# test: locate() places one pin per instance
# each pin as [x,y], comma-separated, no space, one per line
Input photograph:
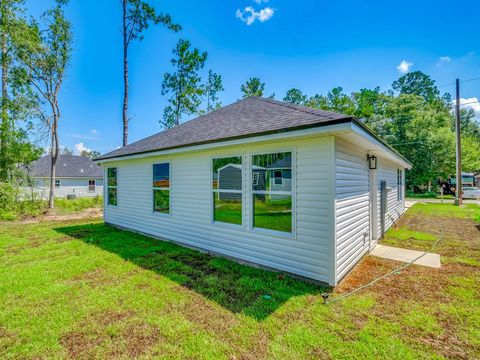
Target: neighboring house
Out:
[74,175]
[230,177]
[331,187]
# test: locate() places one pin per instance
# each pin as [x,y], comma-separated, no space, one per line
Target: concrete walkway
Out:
[406,255]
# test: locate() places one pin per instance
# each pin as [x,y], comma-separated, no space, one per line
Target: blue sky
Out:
[311,45]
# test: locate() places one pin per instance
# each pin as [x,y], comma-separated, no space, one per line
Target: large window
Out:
[399,184]
[58,183]
[112,186]
[227,190]
[161,188]
[272,194]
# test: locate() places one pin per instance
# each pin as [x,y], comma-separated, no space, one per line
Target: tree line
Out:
[413,116]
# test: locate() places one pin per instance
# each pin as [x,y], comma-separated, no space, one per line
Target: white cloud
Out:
[442,60]
[94,131]
[260,1]
[262,15]
[404,67]
[81,147]
[471,103]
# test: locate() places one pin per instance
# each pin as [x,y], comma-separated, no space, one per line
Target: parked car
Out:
[470,192]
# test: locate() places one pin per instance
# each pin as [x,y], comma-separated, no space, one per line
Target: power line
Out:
[462,81]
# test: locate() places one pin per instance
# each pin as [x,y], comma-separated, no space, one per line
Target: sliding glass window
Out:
[272,191]
[161,188]
[227,190]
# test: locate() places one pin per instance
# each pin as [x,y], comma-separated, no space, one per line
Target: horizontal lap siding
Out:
[387,171]
[352,206]
[190,221]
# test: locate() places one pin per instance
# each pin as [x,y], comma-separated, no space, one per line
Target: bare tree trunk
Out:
[55,147]
[4,125]
[125,74]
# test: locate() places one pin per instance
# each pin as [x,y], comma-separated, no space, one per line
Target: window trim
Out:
[158,213]
[292,193]
[399,185]
[59,183]
[213,191]
[110,186]
[281,177]
[255,179]
[94,185]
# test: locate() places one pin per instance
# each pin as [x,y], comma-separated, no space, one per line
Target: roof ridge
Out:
[302,108]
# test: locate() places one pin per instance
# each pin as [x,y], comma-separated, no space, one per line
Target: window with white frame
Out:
[255,178]
[91,185]
[227,189]
[272,196]
[112,186]
[399,184]
[161,188]
[58,183]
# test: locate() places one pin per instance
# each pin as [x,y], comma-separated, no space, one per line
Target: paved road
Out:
[445,201]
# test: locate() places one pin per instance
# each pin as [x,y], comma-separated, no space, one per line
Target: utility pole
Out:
[458,192]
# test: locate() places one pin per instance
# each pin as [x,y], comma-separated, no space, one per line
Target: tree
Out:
[368,103]
[295,96]
[253,87]
[212,88]
[184,84]
[67,151]
[46,57]
[91,154]
[16,98]
[137,15]
[417,83]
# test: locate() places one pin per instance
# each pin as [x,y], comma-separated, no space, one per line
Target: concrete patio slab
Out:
[406,255]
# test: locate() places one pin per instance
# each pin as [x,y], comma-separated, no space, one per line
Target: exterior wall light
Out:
[372,162]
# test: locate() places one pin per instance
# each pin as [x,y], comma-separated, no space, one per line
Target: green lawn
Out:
[81,289]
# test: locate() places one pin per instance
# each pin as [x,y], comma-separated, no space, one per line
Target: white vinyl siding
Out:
[68,186]
[352,205]
[307,251]
[387,171]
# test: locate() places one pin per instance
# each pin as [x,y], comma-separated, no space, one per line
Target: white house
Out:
[331,187]
[75,175]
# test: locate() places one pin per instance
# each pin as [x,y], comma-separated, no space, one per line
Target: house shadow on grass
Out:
[238,288]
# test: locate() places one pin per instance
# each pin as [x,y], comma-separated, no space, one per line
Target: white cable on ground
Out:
[393,272]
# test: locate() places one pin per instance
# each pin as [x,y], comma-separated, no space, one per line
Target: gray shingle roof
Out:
[67,166]
[248,117]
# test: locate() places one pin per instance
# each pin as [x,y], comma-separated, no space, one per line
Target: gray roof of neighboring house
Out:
[72,166]
[286,162]
[248,117]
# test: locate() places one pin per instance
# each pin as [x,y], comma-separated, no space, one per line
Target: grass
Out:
[81,289]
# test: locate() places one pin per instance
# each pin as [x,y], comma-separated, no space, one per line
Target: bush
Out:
[425,195]
[16,204]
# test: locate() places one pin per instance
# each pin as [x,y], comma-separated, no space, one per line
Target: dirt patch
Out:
[117,334]
[79,345]
[95,278]
[85,214]
[139,337]
[7,338]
